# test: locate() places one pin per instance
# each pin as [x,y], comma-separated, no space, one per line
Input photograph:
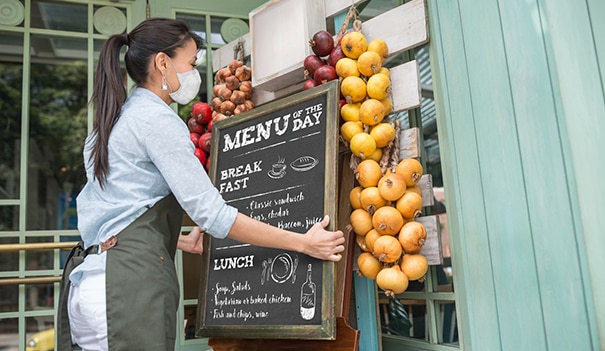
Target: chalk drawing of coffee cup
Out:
[278,169]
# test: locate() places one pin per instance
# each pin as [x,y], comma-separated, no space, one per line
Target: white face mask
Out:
[190,86]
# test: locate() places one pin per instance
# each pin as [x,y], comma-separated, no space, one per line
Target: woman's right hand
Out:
[324,244]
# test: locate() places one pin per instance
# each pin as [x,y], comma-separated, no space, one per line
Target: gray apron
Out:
[142,291]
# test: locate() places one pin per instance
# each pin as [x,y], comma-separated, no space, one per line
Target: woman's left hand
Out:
[192,242]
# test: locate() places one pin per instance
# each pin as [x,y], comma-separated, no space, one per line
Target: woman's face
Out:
[183,61]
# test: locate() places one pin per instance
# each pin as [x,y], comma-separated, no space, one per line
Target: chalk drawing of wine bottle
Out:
[307,297]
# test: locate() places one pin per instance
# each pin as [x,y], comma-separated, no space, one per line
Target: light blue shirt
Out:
[150,155]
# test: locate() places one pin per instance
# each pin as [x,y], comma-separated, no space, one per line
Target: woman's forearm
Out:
[316,242]
[248,230]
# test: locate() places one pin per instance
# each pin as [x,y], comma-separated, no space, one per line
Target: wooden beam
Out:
[402,28]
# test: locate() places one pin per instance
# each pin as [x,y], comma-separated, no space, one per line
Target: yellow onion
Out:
[368,173]
[369,266]
[349,129]
[414,266]
[361,242]
[412,237]
[387,249]
[380,47]
[369,63]
[410,169]
[409,205]
[353,89]
[391,186]
[361,221]
[392,280]
[378,86]
[371,112]
[354,197]
[371,200]
[346,67]
[387,220]
[371,238]
[362,145]
[383,134]
[350,112]
[353,44]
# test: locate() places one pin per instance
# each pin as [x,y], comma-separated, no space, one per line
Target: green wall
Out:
[162,8]
[521,108]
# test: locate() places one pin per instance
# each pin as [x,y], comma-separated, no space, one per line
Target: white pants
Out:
[87,313]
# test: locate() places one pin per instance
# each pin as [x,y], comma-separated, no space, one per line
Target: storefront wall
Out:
[520,97]
[519,89]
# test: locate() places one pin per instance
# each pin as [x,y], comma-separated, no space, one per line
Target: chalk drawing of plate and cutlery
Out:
[280,269]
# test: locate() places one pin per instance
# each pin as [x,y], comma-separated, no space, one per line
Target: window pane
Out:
[225,30]
[198,25]
[395,319]
[9,261]
[192,265]
[439,210]
[9,218]
[416,310]
[9,297]
[196,22]
[408,318]
[447,322]
[11,77]
[9,330]
[58,112]
[39,260]
[38,327]
[51,50]
[222,29]
[190,321]
[59,16]
[40,297]
[215,28]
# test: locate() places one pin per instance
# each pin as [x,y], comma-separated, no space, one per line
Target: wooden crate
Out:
[280,32]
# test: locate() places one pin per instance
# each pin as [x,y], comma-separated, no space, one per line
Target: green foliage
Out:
[184,111]
[57,116]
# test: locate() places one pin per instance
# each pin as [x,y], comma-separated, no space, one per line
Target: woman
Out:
[141,174]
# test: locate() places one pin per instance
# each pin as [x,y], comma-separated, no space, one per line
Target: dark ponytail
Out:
[144,41]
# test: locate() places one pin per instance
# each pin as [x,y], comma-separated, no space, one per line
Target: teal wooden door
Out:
[519,89]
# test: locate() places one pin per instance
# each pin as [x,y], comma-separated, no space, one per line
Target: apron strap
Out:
[63,335]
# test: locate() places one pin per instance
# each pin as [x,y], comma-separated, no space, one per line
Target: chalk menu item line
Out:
[266,193]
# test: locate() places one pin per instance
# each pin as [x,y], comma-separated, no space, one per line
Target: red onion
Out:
[322,43]
[324,74]
[335,55]
[311,63]
[309,83]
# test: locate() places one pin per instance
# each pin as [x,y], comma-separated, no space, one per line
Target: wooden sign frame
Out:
[212,320]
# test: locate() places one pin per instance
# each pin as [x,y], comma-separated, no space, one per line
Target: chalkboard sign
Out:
[276,163]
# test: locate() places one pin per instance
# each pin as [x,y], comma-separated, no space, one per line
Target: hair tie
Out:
[127,39]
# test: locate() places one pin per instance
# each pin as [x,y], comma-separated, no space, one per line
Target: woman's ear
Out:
[161,62]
